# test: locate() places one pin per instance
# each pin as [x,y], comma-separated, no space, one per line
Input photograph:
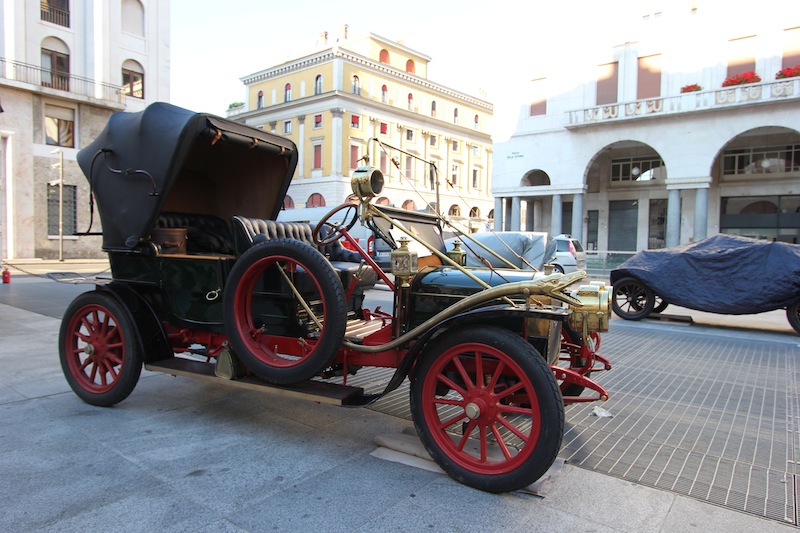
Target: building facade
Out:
[369,100]
[688,130]
[65,66]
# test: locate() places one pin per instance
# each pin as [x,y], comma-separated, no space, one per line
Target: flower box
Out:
[742,79]
[789,72]
[691,88]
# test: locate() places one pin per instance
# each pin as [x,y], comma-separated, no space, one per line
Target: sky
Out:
[487,49]
[479,48]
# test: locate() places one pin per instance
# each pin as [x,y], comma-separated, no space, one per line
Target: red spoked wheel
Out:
[285,311]
[100,349]
[487,408]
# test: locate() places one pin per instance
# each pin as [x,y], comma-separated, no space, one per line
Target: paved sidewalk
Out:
[181,455]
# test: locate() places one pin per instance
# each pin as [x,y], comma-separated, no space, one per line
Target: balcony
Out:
[777,91]
[74,85]
[51,13]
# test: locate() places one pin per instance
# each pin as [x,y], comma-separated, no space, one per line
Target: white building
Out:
[65,66]
[611,149]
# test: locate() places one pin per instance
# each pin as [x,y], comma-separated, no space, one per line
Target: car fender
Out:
[152,337]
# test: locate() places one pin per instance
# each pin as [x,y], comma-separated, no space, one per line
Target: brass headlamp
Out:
[367,182]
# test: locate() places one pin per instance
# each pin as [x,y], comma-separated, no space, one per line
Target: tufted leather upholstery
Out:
[345,262]
[205,233]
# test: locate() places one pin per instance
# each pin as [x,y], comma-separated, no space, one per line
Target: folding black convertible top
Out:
[166,158]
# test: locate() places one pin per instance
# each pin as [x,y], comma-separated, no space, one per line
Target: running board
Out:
[330,393]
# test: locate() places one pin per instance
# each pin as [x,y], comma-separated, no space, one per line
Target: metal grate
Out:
[708,417]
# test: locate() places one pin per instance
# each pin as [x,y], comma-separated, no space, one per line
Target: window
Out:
[410,67]
[385,94]
[287,92]
[133,17]
[791,48]
[384,163]
[476,122]
[356,85]
[433,108]
[434,139]
[455,146]
[409,205]
[476,150]
[59,126]
[476,179]
[637,169]
[383,57]
[318,84]
[384,128]
[607,84]
[260,100]
[355,121]
[317,121]
[354,156]
[55,11]
[287,127]
[410,135]
[455,116]
[454,175]
[69,210]
[317,157]
[761,160]
[454,211]
[538,100]
[410,168]
[648,84]
[410,102]
[741,55]
[132,79]
[288,203]
[316,200]
[475,213]
[55,66]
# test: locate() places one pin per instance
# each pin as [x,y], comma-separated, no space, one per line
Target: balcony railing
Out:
[54,14]
[22,72]
[728,97]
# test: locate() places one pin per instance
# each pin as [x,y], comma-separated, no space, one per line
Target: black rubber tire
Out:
[793,314]
[257,348]
[100,349]
[558,268]
[660,304]
[536,405]
[631,299]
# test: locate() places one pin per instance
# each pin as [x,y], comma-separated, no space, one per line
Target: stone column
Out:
[530,215]
[577,216]
[498,213]
[700,214]
[336,142]
[673,218]
[516,204]
[555,215]
[301,143]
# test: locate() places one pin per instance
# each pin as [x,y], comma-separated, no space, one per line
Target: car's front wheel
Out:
[793,314]
[632,299]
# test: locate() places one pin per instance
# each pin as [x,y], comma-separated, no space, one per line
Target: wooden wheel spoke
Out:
[513,429]
[509,391]
[497,372]
[464,374]
[465,437]
[449,422]
[450,383]
[500,442]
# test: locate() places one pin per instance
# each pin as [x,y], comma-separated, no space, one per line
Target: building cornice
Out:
[334,53]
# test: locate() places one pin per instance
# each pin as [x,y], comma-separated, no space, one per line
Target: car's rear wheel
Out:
[99,349]
[487,408]
[660,304]
[793,314]
[632,299]
[285,310]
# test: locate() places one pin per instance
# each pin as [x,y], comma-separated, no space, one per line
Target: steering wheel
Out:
[343,222]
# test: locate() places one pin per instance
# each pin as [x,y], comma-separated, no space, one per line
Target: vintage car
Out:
[206,283]
[724,274]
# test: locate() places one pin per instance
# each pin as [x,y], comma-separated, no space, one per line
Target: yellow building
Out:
[370,98]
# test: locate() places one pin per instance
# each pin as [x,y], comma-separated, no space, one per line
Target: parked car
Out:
[206,283]
[723,274]
[569,255]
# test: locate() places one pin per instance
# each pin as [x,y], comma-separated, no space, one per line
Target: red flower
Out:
[788,72]
[742,79]
[691,88]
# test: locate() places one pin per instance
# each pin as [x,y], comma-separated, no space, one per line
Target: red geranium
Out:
[691,88]
[788,72]
[742,79]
